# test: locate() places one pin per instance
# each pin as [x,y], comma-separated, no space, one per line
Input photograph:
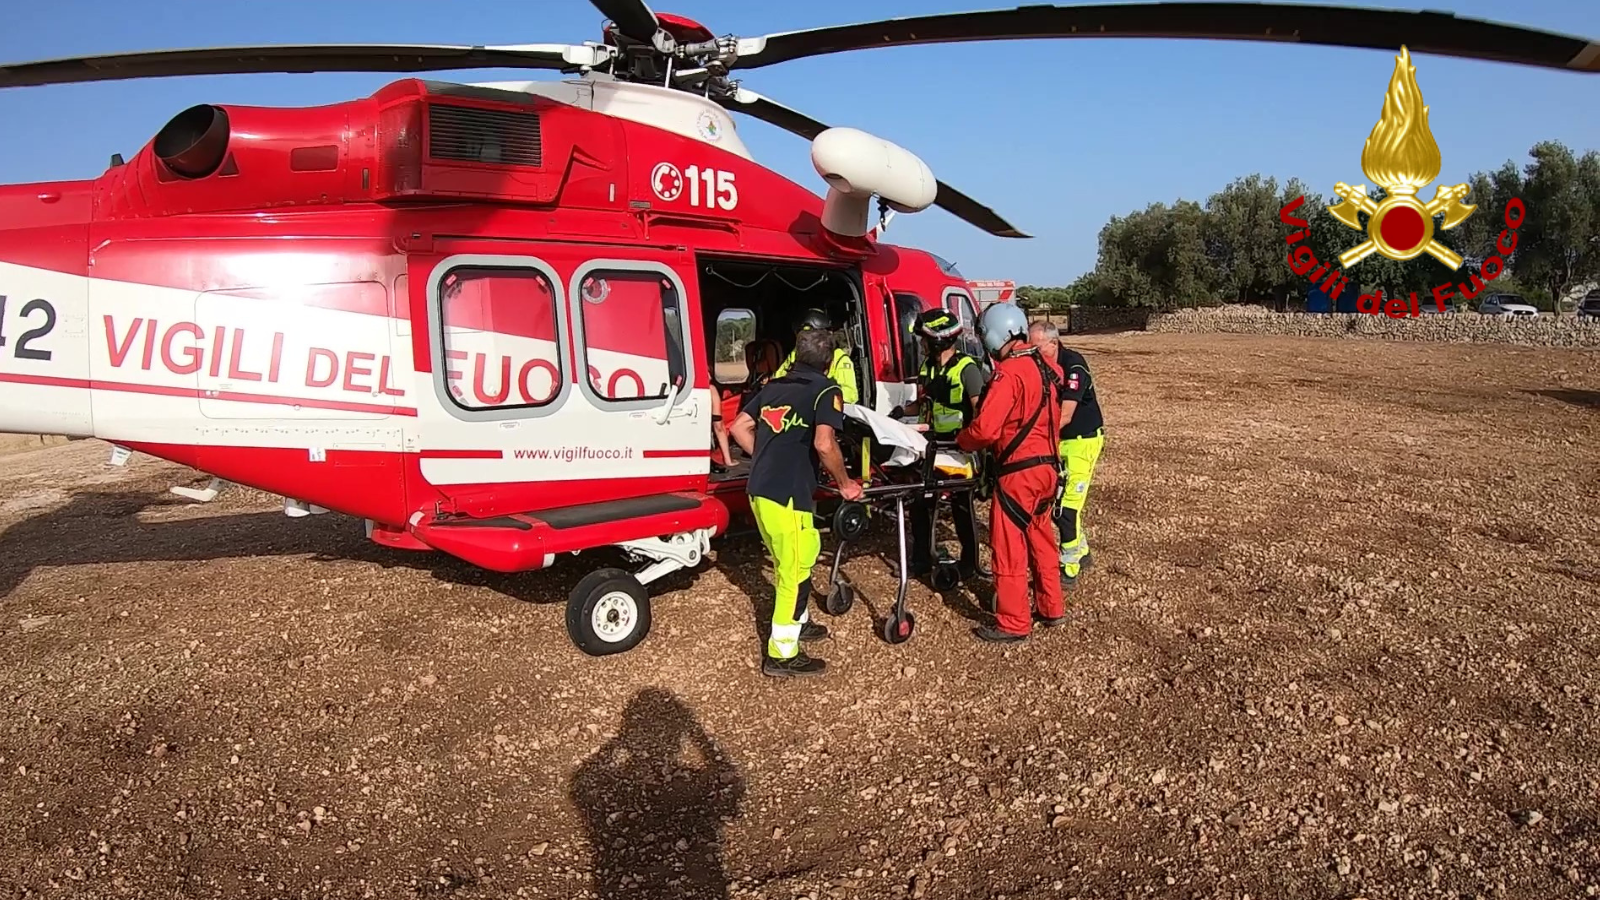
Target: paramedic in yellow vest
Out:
[1082,437]
[950,384]
[787,429]
[841,370]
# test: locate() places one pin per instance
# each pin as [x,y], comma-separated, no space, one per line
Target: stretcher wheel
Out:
[850,521]
[946,577]
[608,612]
[839,600]
[898,629]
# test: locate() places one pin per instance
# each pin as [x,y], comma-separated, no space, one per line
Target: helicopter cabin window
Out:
[499,337]
[907,307]
[736,328]
[961,304]
[633,334]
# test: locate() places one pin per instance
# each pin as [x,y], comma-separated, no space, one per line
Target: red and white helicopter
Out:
[487,319]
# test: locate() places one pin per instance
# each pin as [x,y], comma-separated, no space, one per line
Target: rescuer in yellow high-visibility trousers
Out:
[787,429]
[1078,457]
[793,543]
[1082,439]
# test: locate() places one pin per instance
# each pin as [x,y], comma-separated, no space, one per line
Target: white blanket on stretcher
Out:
[909,444]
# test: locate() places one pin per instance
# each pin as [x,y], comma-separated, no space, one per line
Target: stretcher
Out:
[915,468]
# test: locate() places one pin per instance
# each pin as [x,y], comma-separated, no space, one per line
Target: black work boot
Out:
[995,636]
[813,631]
[796,666]
[1049,622]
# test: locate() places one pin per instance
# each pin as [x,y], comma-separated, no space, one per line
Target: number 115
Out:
[719,191]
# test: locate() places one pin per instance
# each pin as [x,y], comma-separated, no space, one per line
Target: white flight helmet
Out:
[999,324]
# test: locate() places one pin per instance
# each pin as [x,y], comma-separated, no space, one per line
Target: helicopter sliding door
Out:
[562,375]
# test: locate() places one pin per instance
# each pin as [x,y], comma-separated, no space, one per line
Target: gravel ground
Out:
[1339,642]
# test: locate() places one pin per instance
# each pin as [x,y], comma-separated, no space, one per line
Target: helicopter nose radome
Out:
[857,165]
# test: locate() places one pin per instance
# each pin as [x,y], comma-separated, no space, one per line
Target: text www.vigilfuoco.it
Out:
[572,454]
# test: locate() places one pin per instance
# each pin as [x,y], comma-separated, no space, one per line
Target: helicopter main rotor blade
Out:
[948,198]
[298,59]
[632,17]
[1440,34]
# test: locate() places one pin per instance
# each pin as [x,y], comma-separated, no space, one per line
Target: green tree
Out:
[1491,193]
[1246,268]
[1085,291]
[1233,250]
[734,330]
[1157,257]
[1558,246]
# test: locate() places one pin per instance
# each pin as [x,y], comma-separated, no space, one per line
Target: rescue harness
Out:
[1019,515]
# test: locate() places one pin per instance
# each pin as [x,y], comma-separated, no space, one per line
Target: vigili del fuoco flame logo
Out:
[1401,157]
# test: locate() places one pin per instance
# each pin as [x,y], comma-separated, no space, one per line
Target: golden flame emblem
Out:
[1402,157]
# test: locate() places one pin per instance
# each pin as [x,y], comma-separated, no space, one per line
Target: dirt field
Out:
[1340,641]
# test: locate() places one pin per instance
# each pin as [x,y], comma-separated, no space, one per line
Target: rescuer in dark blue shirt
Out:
[1082,439]
[787,429]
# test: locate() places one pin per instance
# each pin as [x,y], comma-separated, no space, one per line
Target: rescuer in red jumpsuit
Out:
[1020,418]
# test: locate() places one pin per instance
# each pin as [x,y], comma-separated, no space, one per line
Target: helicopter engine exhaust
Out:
[858,165]
[194,142]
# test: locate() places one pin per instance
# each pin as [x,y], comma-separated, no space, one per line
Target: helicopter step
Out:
[609,610]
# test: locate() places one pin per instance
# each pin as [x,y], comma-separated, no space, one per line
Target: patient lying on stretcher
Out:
[907,445]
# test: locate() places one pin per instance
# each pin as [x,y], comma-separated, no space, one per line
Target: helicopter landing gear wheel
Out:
[839,600]
[897,629]
[946,577]
[608,612]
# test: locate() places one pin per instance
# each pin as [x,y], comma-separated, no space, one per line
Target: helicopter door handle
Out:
[671,401]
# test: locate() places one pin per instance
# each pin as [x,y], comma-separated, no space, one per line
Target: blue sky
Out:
[1056,135]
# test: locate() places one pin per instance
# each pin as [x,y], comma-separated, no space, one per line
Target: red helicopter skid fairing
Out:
[483,319]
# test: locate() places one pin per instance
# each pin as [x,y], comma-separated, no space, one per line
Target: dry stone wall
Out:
[1566,332]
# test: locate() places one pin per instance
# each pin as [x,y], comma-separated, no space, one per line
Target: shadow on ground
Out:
[1590,399]
[49,539]
[654,801]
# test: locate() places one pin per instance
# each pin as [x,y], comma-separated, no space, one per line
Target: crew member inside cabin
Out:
[719,431]
[1020,417]
[950,384]
[1082,438]
[839,369]
[760,361]
[787,429]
